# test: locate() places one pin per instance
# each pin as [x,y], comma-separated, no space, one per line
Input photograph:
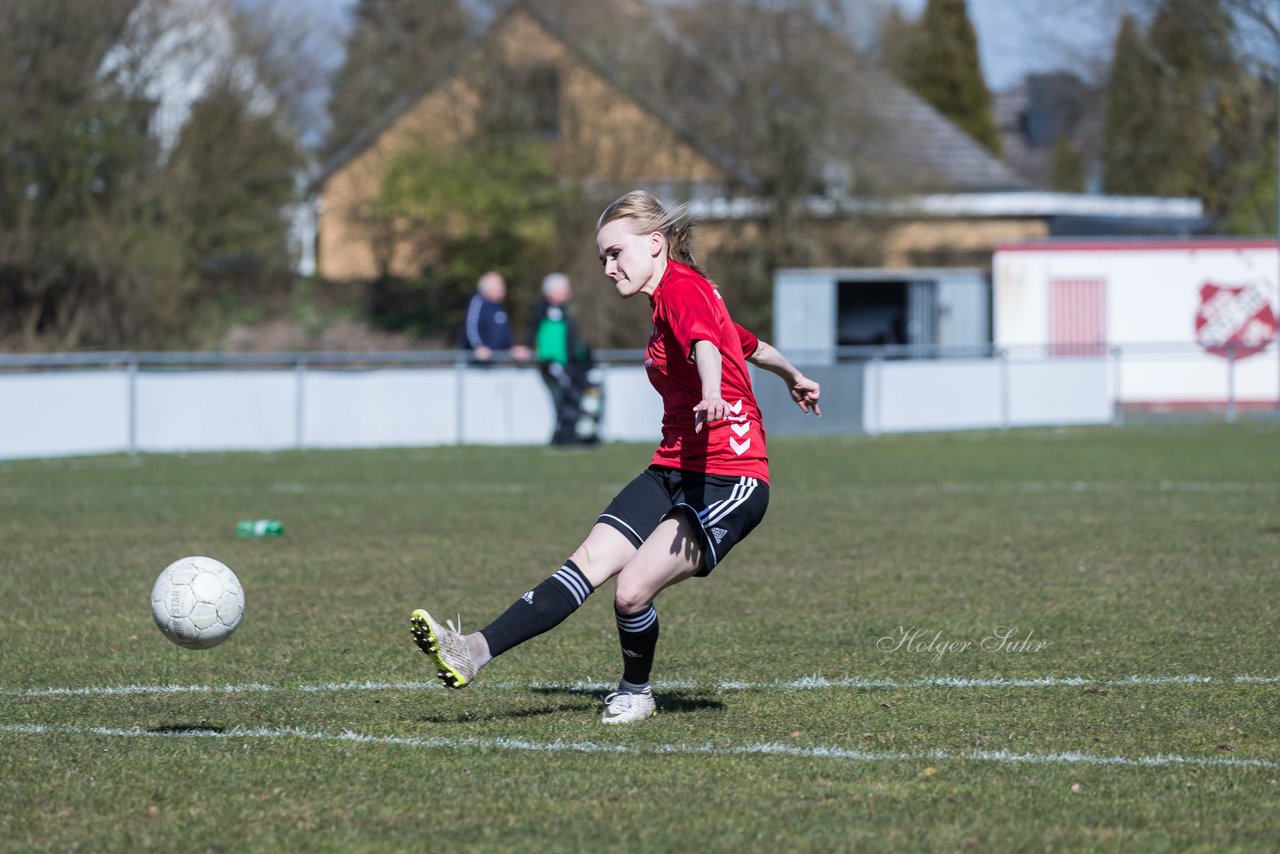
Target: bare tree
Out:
[291,51]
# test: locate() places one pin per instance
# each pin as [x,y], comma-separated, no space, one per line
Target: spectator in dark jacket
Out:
[487,327]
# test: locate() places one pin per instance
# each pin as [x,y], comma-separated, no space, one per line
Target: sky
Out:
[1017,37]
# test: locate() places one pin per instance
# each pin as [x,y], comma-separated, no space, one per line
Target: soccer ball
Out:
[197,602]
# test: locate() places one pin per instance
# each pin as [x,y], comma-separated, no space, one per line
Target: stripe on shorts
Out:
[717,510]
[634,532]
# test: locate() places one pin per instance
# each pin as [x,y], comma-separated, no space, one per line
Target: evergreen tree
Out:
[1192,39]
[235,224]
[1185,117]
[941,64]
[1246,161]
[394,50]
[1132,115]
[899,37]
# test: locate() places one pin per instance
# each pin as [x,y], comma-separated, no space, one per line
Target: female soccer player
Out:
[707,485]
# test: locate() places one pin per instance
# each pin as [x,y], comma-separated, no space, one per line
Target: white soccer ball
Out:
[197,602]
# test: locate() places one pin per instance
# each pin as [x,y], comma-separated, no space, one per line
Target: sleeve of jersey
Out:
[749,341]
[691,317]
[471,328]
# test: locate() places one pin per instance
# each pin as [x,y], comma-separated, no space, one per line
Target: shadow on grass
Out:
[669,702]
[171,729]
[680,703]
[471,716]
[582,701]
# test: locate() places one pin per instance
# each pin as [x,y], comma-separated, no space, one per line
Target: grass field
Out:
[834,685]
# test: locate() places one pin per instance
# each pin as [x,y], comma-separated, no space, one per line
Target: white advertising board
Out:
[1209,307]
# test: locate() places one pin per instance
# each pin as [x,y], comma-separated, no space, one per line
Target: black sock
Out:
[638,635]
[540,610]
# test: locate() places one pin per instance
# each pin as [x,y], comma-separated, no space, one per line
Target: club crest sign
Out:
[1234,320]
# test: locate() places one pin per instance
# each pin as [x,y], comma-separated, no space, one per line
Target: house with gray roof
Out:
[736,119]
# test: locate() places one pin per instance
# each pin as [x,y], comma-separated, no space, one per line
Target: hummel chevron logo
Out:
[528,597]
[718,533]
[736,409]
[740,429]
[739,448]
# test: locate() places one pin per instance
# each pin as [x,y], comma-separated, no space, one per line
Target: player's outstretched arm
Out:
[804,391]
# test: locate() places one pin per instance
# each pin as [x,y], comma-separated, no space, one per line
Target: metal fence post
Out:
[132,371]
[875,417]
[1117,413]
[299,412]
[1004,387]
[1231,382]
[460,398]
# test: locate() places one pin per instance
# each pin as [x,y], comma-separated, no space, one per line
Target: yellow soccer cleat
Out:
[446,647]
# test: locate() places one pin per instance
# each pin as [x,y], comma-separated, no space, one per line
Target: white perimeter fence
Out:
[72,404]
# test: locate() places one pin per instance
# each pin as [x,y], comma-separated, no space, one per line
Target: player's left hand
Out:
[708,412]
[805,392]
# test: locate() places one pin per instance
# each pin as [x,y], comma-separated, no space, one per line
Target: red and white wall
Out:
[1188,323]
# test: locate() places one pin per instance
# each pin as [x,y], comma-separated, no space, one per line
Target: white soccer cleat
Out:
[446,647]
[620,708]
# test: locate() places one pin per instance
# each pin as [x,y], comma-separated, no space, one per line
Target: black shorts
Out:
[725,509]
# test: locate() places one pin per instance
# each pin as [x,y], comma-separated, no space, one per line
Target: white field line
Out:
[517,488]
[807,683]
[559,746]
[1032,487]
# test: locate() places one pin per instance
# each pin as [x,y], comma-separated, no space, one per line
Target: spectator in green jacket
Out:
[562,358]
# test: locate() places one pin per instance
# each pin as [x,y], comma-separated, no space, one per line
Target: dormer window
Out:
[542,88]
[525,101]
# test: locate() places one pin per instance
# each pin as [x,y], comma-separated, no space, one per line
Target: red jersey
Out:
[688,308]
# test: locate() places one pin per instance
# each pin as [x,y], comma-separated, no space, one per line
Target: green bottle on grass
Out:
[260,528]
